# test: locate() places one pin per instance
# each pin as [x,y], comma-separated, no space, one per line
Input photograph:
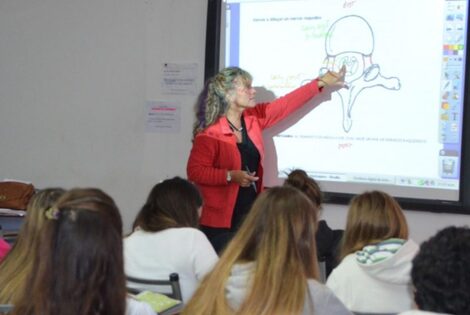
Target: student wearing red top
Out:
[4,248]
[226,160]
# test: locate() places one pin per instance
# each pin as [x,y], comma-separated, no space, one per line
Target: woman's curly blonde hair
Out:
[212,102]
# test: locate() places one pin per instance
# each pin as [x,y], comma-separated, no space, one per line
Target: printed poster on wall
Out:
[179,78]
[163,116]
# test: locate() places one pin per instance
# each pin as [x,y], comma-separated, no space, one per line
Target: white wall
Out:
[422,224]
[74,79]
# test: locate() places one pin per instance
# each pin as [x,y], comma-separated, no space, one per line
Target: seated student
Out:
[327,239]
[374,273]
[270,267]
[166,239]
[78,268]
[441,274]
[4,248]
[17,265]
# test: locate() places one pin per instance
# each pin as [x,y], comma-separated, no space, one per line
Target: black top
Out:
[246,195]
[328,245]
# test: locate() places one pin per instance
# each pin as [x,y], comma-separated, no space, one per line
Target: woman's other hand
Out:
[243,178]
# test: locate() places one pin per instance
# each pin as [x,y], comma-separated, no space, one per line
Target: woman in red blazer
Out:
[226,160]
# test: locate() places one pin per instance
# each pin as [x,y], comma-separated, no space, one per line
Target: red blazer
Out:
[215,152]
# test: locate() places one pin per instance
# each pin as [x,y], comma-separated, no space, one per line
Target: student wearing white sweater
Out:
[165,238]
[374,273]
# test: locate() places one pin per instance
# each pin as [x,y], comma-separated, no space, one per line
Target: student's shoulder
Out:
[347,263]
[188,234]
[346,269]
[189,231]
[325,301]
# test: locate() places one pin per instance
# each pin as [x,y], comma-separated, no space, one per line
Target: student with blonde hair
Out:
[270,267]
[374,273]
[16,266]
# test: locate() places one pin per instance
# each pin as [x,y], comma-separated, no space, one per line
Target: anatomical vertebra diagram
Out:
[361,73]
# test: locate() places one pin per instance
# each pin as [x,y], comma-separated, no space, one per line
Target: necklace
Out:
[232,126]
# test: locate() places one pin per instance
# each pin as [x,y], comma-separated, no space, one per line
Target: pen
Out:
[252,183]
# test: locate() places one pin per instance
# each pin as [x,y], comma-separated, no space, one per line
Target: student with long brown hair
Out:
[166,238]
[374,273]
[78,269]
[270,267]
[18,264]
[328,240]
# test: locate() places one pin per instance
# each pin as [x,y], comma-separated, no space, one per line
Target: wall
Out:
[422,224]
[74,79]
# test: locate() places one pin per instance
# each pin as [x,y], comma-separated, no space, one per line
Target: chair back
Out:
[5,308]
[173,282]
[322,269]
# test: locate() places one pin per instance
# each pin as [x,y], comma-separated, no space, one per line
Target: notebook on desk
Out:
[160,303]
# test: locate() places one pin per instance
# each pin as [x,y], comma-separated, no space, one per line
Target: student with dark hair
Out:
[374,273]
[78,269]
[328,240]
[441,274]
[166,238]
[270,267]
[17,265]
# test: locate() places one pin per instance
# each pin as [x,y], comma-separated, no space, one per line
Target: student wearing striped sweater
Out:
[374,273]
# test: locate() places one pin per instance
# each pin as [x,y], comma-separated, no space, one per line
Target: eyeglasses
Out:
[245,88]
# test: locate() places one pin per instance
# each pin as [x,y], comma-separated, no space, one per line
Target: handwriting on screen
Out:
[343,146]
[349,4]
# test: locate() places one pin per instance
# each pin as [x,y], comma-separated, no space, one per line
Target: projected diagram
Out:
[350,42]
